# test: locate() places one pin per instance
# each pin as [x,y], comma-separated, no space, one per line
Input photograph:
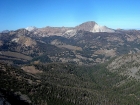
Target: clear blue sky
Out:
[15,14]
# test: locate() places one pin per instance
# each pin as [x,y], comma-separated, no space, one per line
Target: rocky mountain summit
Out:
[92,26]
[31,28]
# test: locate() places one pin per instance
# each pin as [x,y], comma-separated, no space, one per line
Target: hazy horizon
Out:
[18,14]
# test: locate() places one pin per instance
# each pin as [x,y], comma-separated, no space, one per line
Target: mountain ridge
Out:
[90,26]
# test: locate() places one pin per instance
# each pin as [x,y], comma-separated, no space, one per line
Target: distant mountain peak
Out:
[30,28]
[86,26]
[89,23]
[5,31]
[92,26]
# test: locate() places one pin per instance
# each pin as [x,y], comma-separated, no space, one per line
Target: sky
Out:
[16,14]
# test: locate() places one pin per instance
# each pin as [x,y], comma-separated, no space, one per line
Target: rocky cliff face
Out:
[13,98]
